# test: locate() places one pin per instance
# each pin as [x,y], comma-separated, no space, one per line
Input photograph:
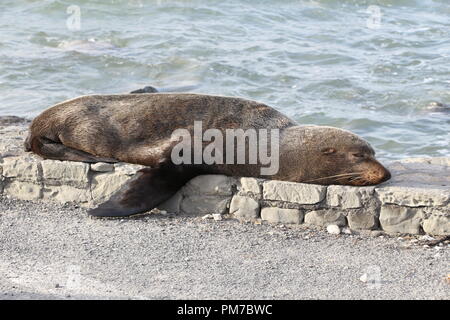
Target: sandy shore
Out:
[56,251]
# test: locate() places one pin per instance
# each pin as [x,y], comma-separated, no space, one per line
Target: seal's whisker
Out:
[355,179]
[352,178]
[343,175]
[360,179]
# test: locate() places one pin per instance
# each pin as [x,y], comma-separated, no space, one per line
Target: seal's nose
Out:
[385,175]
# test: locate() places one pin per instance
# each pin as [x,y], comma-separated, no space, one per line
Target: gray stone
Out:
[324,218]
[348,197]
[279,215]
[173,204]
[437,225]
[204,204]
[363,219]
[395,219]
[65,173]
[66,193]
[102,167]
[23,190]
[127,169]
[293,192]
[21,169]
[245,208]
[209,185]
[417,183]
[414,196]
[105,184]
[250,185]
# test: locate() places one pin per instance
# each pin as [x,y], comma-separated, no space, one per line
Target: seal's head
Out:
[334,156]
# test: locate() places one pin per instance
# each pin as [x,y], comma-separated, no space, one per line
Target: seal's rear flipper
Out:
[49,149]
[148,188]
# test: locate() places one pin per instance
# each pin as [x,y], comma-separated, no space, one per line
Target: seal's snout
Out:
[377,173]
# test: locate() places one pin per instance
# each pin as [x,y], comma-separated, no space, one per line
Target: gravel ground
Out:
[54,251]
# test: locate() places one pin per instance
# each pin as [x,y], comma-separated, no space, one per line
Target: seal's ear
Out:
[144,191]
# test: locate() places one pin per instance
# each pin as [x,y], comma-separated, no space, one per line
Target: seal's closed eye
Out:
[328,150]
[358,155]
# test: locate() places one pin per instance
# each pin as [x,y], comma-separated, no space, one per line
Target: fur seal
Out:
[146,89]
[138,128]
[151,89]
[438,107]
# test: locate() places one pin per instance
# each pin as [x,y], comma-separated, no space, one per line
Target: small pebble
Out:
[217,216]
[333,229]
[364,277]
[347,230]
[207,216]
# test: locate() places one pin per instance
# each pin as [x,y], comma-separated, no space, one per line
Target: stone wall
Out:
[415,201]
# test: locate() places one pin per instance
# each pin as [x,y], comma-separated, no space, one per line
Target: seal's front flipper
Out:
[49,149]
[148,188]
[147,89]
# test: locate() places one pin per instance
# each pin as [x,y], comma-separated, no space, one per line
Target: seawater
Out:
[372,67]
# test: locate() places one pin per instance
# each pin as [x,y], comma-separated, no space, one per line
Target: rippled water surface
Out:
[324,62]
